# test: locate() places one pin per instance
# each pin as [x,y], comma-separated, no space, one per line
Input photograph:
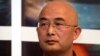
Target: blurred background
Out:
[5,27]
[5,13]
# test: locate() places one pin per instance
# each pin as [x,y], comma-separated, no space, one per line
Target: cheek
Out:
[41,34]
[65,36]
[64,33]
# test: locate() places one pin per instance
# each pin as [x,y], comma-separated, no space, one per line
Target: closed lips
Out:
[48,41]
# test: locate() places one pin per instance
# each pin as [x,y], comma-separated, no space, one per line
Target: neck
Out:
[68,53]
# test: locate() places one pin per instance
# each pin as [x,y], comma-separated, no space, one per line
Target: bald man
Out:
[57,29]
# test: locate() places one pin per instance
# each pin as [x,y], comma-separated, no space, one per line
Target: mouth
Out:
[51,42]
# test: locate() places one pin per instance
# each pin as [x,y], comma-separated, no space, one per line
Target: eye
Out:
[43,24]
[59,24]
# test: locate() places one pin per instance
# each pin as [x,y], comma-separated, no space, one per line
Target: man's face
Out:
[56,31]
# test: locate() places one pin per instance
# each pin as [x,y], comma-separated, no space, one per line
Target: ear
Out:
[77,32]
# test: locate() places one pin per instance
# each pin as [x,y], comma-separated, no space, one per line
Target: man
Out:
[57,29]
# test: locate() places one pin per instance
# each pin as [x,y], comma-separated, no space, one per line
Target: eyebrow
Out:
[41,19]
[59,19]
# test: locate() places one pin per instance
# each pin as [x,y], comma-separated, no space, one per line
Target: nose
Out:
[51,31]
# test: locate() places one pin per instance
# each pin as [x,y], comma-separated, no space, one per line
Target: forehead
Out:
[54,13]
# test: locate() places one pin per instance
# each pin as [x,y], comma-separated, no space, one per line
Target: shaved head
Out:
[61,7]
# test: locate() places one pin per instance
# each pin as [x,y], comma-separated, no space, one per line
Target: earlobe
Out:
[77,32]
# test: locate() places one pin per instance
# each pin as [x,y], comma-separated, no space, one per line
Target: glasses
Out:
[59,25]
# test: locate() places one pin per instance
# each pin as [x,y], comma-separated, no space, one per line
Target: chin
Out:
[52,49]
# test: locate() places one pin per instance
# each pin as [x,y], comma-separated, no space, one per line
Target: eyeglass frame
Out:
[65,26]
